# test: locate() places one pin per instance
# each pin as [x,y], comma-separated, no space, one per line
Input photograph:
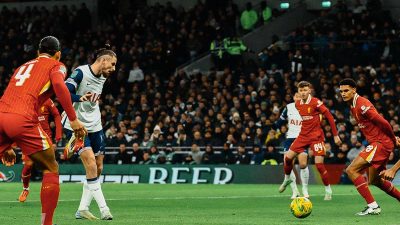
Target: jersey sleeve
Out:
[320,106]
[73,83]
[281,119]
[57,76]
[323,110]
[369,112]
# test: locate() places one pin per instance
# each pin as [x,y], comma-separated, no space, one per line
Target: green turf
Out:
[198,204]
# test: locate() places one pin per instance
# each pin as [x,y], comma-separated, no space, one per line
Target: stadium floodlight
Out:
[326,4]
[284,5]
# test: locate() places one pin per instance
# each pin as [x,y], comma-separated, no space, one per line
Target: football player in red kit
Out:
[382,141]
[47,109]
[311,135]
[30,86]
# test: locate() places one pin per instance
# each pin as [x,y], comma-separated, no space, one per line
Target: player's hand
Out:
[79,130]
[398,141]
[86,97]
[8,158]
[388,174]
[337,140]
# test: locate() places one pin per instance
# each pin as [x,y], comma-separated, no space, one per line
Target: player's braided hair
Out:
[104,51]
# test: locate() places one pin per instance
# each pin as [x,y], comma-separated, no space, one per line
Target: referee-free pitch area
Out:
[198,204]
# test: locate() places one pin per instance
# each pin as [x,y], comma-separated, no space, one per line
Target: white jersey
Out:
[88,112]
[291,114]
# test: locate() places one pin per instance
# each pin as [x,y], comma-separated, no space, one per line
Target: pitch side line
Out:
[183,198]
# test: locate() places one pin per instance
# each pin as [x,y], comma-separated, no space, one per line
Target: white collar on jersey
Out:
[43,56]
[307,102]
[355,100]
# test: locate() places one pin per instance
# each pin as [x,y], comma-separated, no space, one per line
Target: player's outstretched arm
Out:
[331,121]
[385,126]
[62,93]
[389,174]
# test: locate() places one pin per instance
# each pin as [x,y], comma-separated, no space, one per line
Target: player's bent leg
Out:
[354,172]
[288,166]
[25,176]
[384,185]
[50,184]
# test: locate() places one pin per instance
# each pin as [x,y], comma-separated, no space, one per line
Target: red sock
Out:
[388,187]
[288,166]
[362,188]
[324,173]
[26,175]
[49,196]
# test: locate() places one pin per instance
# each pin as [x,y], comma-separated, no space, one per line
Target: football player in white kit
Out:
[86,85]
[293,118]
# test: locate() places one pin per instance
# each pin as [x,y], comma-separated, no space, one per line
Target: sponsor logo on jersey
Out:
[307,118]
[361,125]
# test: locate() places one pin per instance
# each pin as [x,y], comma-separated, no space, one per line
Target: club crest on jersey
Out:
[63,69]
[42,109]
[309,109]
[74,74]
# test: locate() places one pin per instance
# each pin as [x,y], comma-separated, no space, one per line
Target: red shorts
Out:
[317,145]
[377,154]
[28,135]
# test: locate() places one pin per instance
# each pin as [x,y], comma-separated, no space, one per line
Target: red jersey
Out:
[48,108]
[310,111]
[363,111]
[30,86]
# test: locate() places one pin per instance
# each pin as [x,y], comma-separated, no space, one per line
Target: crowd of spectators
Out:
[152,116]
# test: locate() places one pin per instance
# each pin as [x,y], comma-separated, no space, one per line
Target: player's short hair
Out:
[303,83]
[348,81]
[49,45]
[104,51]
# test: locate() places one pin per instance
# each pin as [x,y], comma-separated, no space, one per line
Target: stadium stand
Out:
[173,117]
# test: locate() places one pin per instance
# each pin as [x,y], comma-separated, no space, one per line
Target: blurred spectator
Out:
[248,18]
[266,12]
[271,156]
[137,154]
[354,151]
[227,157]
[136,74]
[258,155]
[242,157]
[122,157]
[209,157]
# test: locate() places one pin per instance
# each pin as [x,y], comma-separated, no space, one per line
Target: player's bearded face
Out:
[304,92]
[109,66]
[347,92]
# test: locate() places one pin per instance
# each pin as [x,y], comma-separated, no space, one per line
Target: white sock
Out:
[304,176]
[86,198]
[287,177]
[373,205]
[293,185]
[328,188]
[97,193]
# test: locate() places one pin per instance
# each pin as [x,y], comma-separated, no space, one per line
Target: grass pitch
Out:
[198,204]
